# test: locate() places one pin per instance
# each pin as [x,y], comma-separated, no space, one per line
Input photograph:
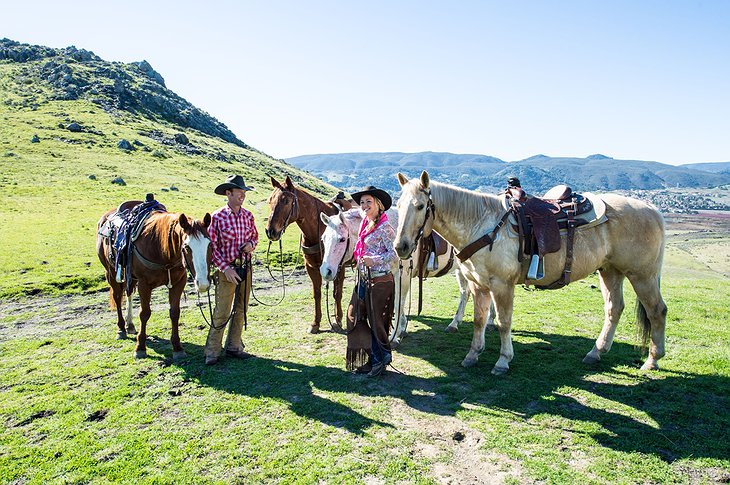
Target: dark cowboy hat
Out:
[381,194]
[232,182]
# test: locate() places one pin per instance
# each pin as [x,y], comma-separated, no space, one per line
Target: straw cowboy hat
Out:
[381,194]
[232,182]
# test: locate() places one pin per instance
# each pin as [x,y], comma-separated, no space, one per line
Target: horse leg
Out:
[651,314]
[145,294]
[130,313]
[504,301]
[115,295]
[463,300]
[174,298]
[613,305]
[316,278]
[402,288]
[482,299]
[337,294]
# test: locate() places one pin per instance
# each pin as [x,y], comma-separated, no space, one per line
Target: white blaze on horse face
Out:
[198,245]
[334,239]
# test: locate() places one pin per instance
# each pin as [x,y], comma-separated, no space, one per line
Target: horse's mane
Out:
[464,204]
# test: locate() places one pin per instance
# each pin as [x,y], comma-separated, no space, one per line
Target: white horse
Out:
[339,238]
[630,244]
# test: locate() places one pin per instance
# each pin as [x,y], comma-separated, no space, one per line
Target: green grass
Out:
[77,407]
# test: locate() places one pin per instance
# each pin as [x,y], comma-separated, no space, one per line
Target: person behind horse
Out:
[233,237]
[368,347]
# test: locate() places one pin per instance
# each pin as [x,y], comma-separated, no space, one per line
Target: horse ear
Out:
[288,182]
[402,179]
[184,222]
[206,220]
[424,179]
[274,183]
[324,218]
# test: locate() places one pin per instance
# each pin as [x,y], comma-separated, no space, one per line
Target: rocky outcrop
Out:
[134,87]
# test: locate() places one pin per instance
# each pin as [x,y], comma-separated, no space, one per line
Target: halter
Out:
[430,209]
[295,204]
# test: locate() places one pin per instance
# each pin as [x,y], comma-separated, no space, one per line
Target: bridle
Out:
[430,211]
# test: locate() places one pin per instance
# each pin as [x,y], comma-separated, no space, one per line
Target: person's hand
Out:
[247,248]
[368,261]
[231,275]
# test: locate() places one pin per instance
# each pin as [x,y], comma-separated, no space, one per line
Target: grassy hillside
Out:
[53,192]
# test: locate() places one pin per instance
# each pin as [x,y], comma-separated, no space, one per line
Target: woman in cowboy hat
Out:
[371,306]
[233,237]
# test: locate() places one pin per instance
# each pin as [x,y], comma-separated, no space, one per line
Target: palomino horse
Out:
[288,204]
[167,244]
[630,244]
[339,240]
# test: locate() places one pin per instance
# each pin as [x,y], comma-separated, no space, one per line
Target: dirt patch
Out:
[39,317]
[453,449]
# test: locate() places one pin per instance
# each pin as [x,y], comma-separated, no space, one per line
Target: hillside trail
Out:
[41,316]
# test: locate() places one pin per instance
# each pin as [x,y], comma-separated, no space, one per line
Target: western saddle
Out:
[538,221]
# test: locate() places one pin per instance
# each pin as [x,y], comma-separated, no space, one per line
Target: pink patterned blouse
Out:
[378,244]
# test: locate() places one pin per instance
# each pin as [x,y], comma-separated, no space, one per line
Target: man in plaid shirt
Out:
[233,237]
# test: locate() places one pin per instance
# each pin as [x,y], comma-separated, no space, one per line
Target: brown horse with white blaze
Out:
[630,244]
[167,245]
[288,203]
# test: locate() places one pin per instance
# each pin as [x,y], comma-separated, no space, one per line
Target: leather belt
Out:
[374,274]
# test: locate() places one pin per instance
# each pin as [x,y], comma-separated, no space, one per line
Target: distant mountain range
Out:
[537,174]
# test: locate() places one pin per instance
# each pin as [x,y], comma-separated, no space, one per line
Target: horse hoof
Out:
[591,360]
[132,330]
[313,329]
[122,335]
[140,354]
[179,355]
[499,371]
[469,362]
[650,366]
[451,329]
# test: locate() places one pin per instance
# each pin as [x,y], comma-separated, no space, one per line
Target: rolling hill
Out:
[79,135]
[482,172]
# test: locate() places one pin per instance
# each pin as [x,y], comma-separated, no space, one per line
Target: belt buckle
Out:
[237,262]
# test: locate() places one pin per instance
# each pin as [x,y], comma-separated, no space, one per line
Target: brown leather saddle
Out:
[437,246]
[539,220]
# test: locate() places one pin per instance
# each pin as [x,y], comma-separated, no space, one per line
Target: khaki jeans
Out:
[225,293]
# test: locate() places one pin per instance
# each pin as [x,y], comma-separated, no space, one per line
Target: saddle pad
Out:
[111,226]
[594,217]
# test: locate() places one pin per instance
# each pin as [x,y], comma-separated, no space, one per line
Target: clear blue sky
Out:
[639,79]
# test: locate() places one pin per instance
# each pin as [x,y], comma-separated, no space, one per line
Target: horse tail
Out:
[643,323]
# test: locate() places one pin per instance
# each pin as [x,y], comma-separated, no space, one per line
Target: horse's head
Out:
[196,250]
[338,244]
[283,205]
[415,213]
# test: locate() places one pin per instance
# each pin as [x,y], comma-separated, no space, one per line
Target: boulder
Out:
[74,127]
[182,139]
[125,145]
[119,181]
[35,139]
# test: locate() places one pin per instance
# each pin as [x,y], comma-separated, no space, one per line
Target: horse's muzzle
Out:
[272,234]
[404,250]
[327,273]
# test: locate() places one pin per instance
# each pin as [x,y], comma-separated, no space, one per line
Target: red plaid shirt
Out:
[228,233]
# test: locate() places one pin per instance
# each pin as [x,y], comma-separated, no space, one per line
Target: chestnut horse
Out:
[166,246]
[630,244]
[288,204]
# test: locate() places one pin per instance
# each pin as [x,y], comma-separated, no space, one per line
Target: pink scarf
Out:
[360,246]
